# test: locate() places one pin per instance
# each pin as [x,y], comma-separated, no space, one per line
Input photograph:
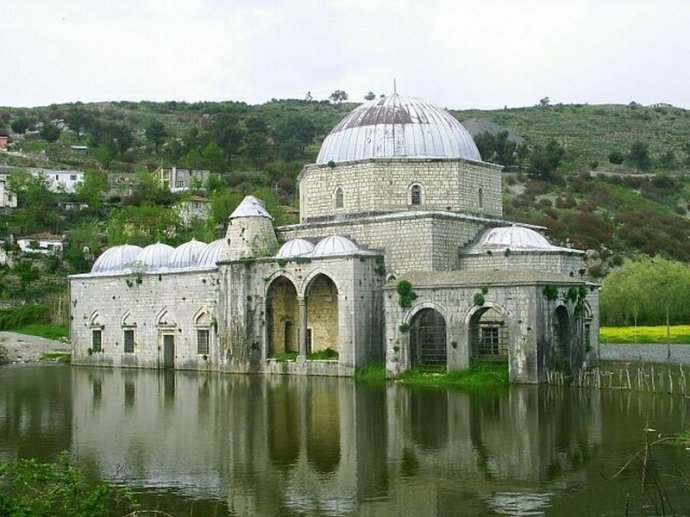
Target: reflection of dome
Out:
[154,256]
[295,248]
[334,245]
[187,254]
[116,258]
[211,254]
[516,238]
[397,127]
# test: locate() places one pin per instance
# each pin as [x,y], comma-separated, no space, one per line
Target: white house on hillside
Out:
[45,243]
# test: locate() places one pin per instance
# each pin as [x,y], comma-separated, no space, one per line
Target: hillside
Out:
[588,201]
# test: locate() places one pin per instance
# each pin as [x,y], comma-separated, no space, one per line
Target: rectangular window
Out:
[96,340]
[490,340]
[180,183]
[73,177]
[129,341]
[202,336]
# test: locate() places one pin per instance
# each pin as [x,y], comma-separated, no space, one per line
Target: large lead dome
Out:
[397,127]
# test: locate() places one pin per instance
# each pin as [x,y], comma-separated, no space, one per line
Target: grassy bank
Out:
[477,376]
[680,334]
[46,330]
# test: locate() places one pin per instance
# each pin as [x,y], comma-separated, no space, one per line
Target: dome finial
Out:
[395,89]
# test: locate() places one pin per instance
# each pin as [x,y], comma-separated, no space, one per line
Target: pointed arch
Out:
[202,317]
[322,308]
[95,320]
[165,318]
[561,330]
[126,319]
[282,316]
[306,283]
[96,326]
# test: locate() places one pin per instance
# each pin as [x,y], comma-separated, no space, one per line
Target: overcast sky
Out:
[455,53]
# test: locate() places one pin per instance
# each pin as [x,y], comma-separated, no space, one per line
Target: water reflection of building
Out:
[329,446]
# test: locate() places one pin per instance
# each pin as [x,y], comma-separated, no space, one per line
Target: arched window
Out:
[416,195]
[339,198]
[481,197]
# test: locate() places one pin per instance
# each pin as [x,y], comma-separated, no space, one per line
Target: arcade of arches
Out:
[317,313]
[488,338]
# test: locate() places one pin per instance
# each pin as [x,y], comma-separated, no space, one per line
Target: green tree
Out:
[213,158]
[639,155]
[94,188]
[84,242]
[37,206]
[104,155]
[20,125]
[544,160]
[497,148]
[155,133]
[338,96]
[646,291]
[50,133]
[142,225]
[223,202]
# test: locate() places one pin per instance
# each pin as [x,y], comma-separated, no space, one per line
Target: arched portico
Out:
[488,334]
[560,339]
[322,318]
[282,317]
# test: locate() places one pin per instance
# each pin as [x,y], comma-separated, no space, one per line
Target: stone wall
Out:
[410,241]
[527,315]
[571,264]
[384,186]
[350,322]
[152,305]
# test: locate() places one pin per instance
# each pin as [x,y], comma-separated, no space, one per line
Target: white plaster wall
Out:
[143,299]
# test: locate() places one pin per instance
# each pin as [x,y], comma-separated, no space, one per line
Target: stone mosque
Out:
[401,255]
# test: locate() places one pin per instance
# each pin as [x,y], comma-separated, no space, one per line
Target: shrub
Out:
[28,487]
[405,293]
[19,317]
[479,299]
[616,157]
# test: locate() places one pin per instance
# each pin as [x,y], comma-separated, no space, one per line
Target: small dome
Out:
[295,248]
[116,258]
[187,254]
[397,127]
[154,256]
[517,238]
[250,207]
[211,254]
[334,245]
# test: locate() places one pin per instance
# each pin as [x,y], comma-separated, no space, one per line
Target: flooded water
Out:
[213,444]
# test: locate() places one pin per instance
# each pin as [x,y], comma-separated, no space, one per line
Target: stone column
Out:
[302,302]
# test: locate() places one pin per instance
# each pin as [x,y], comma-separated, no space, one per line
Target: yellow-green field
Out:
[679,334]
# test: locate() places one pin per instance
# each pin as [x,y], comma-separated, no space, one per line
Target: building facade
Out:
[401,255]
